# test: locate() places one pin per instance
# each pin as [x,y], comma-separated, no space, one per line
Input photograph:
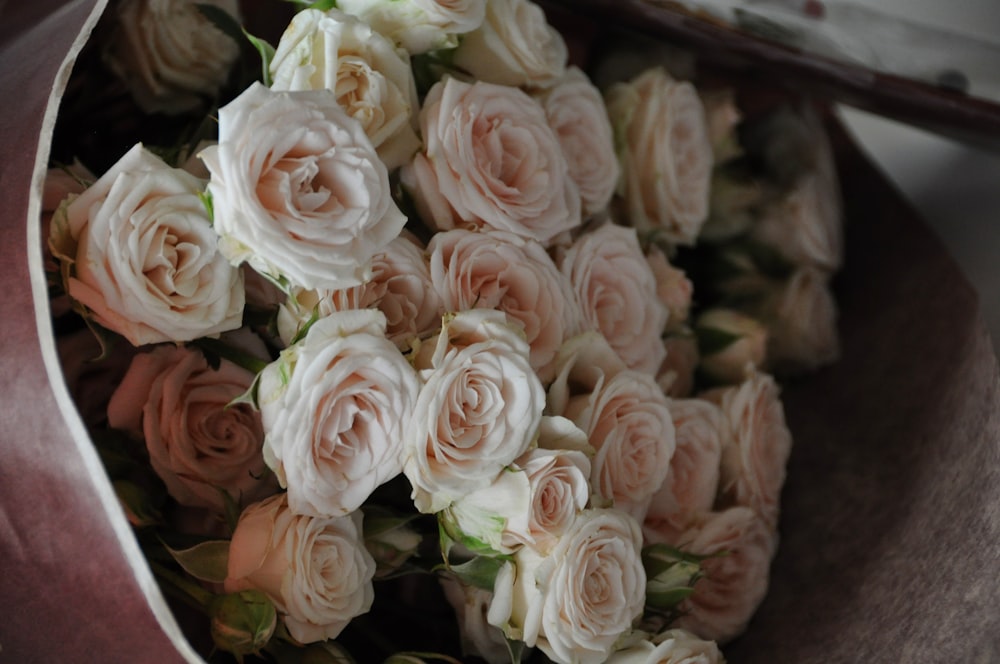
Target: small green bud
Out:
[243,622]
[670,576]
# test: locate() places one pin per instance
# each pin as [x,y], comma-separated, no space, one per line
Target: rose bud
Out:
[729,343]
[390,542]
[670,576]
[243,622]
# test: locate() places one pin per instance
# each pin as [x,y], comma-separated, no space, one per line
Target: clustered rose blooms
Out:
[473,348]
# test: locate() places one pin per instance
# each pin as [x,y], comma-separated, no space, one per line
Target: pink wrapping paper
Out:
[891,524]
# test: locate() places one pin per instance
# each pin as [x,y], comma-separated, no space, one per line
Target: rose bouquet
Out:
[413,323]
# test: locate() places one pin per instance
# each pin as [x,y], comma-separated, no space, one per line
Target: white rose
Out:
[801,318]
[315,570]
[478,637]
[665,153]
[373,81]
[756,446]
[197,443]
[419,25]
[497,270]
[400,288]
[298,190]
[578,600]
[576,112]
[478,410]
[138,251]
[491,159]
[693,481]
[617,291]
[171,57]
[334,408]
[628,421]
[734,584]
[674,646]
[515,45]
[733,344]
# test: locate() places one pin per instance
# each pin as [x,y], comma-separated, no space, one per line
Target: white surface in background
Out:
[954,186]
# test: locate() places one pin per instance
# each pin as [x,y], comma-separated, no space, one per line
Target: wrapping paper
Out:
[891,514]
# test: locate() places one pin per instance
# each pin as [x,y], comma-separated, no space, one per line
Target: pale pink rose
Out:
[577,601]
[515,45]
[666,154]
[479,409]
[491,159]
[674,646]
[673,288]
[372,80]
[137,250]
[693,481]
[801,318]
[335,406]
[756,446]
[419,25]
[198,443]
[805,225]
[497,270]
[298,190]
[676,374]
[628,422]
[734,584]
[560,489]
[736,344]
[617,291]
[170,55]
[584,363]
[400,288]
[575,109]
[478,637]
[316,570]
[90,378]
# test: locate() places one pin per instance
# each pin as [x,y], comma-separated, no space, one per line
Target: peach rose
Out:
[419,25]
[373,81]
[617,291]
[491,159]
[756,446]
[316,570]
[515,45]
[400,288]
[479,409]
[137,251]
[665,153]
[575,110]
[497,270]
[334,407]
[197,443]
[172,57]
[734,584]
[298,191]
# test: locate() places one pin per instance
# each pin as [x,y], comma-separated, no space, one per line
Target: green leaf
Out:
[223,20]
[214,348]
[713,340]
[516,650]
[137,504]
[266,52]
[480,572]
[207,561]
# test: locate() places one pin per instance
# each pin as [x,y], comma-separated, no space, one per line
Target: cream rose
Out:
[628,421]
[575,110]
[515,45]
[315,570]
[334,407]
[198,444]
[138,252]
[665,153]
[674,646]
[419,25]
[577,601]
[400,288]
[693,481]
[478,410]
[373,81]
[756,446]
[171,56]
[497,270]
[734,584]
[491,159]
[617,291]
[298,190]
[801,318]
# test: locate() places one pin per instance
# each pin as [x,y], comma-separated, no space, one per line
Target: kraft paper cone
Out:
[891,514]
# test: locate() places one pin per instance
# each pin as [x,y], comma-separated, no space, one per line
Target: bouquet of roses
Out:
[417,313]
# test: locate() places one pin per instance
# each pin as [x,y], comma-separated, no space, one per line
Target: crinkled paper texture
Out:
[890,533]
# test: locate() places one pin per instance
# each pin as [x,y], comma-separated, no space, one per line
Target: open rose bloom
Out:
[415,341]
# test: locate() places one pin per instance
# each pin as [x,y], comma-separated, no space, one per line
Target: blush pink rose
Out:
[491,159]
[617,291]
[497,270]
[316,570]
[198,443]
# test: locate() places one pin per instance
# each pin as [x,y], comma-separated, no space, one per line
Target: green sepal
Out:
[266,52]
[207,561]
[223,20]
[206,199]
[214,349]
[479,572]
[712,340]
[669,598]
[138,505]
